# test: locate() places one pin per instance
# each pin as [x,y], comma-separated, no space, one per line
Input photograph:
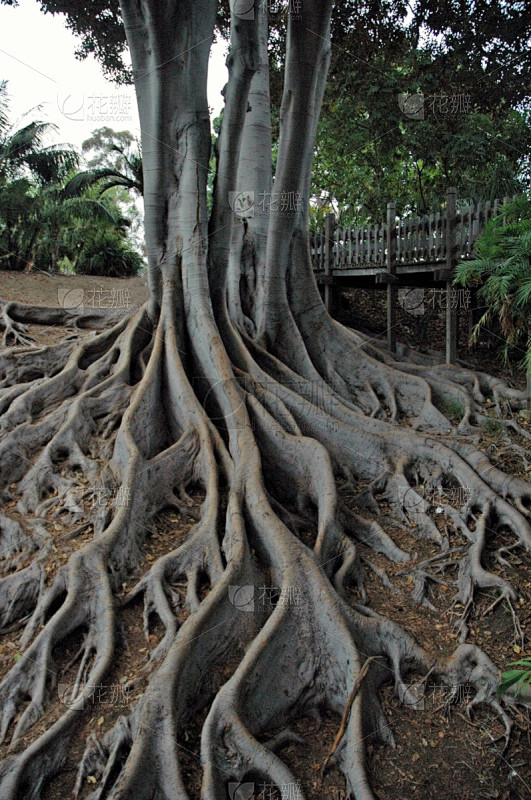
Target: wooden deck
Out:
[419,245]
[420,251]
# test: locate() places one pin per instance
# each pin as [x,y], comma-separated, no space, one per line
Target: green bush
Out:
[106,252]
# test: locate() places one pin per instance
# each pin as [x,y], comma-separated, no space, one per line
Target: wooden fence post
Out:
[328,258]
[391,269]
[451,310]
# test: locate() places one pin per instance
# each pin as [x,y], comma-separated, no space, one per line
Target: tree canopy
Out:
[470,61]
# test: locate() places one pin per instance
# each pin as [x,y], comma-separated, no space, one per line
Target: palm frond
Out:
[103,178]
[502,270]
[51,165]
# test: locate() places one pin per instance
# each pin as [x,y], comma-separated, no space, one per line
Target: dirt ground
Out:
[440,753]
[57,290]
[359,308]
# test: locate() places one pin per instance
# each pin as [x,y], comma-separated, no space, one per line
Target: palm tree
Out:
[104,178]
[23,150]
[27,165]
[63,223]
[44,220]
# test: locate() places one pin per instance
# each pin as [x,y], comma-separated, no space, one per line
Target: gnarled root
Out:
[258,593]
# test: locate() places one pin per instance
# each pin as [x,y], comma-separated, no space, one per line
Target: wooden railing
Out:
[418,240]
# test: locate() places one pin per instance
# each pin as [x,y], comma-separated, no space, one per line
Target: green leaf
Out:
[510,677]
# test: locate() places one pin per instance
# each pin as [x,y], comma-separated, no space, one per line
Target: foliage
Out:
[116,161]
[49,216]
[100,251]
[27,166]
[502,268]
[98,148]
[453,409]
[368,151]
[366,158]
[68,225]
[521,676]
[23,151]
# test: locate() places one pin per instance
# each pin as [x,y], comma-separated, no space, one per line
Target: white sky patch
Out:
[37,59]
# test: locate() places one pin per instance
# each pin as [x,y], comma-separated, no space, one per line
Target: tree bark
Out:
[254,181]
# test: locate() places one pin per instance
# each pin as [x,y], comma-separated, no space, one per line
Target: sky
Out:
[37,59]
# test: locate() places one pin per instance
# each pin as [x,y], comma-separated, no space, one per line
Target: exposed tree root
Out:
[119,414]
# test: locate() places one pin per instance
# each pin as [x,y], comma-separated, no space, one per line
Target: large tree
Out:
[234,385]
